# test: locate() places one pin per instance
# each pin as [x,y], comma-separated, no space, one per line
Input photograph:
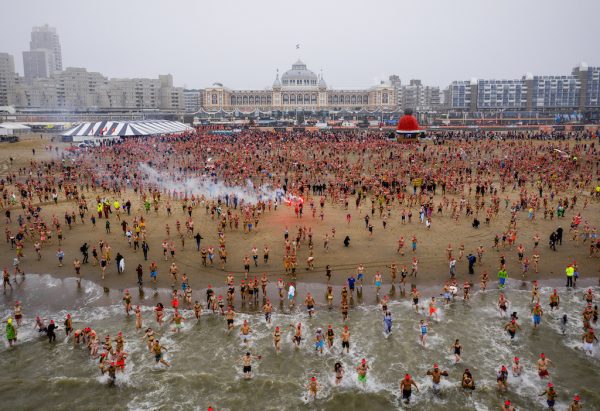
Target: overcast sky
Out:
[356,43]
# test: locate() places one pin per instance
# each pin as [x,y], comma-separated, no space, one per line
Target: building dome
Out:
[322,84]
[299,75]
[277,82]
[408,124]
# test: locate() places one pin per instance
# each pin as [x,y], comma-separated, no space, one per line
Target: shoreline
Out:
[148,297]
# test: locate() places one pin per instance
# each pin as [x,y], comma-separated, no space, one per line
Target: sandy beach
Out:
[375,253]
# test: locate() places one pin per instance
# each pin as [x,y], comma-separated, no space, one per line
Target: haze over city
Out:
[356,44]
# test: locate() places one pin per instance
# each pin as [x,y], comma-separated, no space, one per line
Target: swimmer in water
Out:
[157,350]
[406,385]
[502,379]
[551,395]
[362,371]
[277,340]
[436,377]
[387,323]
[456,348]
[467,382]
[517,368]
[512,328]
[346,340]
[503,304]
[247,364]
[313,387]
[423,327]
[339,372]
[542,366]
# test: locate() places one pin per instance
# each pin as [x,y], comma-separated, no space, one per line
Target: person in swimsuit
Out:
[346,340]
[436,377]
[542,365]
[551,395]
[512,328]
[415,298]
[277,339]
[517,368]
[423,326]
[362,371]
[502,379]
[330,337]
[319,340]
[467,382]
[456,348]
[247,364]
[339,372]
[313,387]
[502,304]
[157,349]
[406,385]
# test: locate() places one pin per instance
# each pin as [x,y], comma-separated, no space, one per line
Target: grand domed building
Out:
[299,89]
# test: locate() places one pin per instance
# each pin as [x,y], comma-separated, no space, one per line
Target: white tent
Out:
[7,129]
[127,128]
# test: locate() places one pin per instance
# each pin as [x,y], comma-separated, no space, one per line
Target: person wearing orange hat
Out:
[542,365]
[506,406]
[502,379]
[313,387]
[575,405]
[406,385]
[436,377]
[588,339]
[517,368]
[362,371]
[551,395]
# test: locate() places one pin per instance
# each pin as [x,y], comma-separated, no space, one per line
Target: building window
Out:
[359,99]
[385,98]
[263,100]
[366,99]
[306,99]
[245,100]
[353,99]
[313,99]
[233,100]
[299,98]
[251,100]
[286,99]
[335,99]
[214,99]
[347,99]
[293,99]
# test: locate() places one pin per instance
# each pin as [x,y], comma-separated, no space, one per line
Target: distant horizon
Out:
[356,46]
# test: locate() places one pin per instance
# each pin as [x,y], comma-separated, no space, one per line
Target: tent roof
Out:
[127,128]
[14,126]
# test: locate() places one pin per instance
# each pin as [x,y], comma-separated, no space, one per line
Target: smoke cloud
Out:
[210,187]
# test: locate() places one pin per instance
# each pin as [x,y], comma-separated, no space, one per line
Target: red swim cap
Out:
[507,402]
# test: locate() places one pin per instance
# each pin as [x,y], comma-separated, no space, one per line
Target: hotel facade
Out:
[299,89]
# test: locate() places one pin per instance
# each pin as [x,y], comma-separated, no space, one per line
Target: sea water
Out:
[205,357]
